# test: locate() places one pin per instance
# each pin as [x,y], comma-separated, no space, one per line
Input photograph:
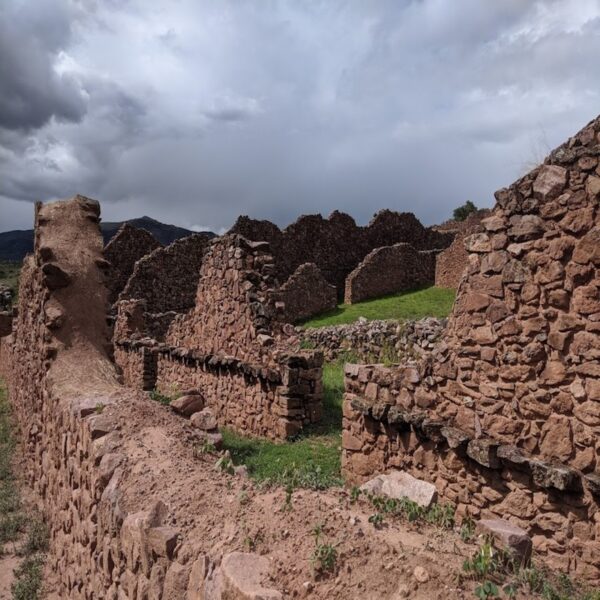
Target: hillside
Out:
[14,245]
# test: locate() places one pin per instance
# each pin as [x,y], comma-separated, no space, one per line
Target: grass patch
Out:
[313,459]
[9,275]
[428,302]
[15,525]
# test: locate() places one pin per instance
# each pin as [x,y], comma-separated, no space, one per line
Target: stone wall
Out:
[337,244]
[451,262]
[305,294]
[122,252]
[167,278]
[375,341]
[389,270]
[515,385]
[229,347]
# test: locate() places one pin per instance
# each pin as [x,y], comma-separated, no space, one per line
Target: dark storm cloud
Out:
[31,38]
[194,112]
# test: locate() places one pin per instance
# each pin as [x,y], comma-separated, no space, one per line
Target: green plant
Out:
[487,590]
[324,556]
[28,579]
[462,212]
[441,515]
[202,448]
[160,398]
[287,505]
[376,519]
[355,493]
[484,562]
[467,529]
[225,464]
[37,538]
[99,408]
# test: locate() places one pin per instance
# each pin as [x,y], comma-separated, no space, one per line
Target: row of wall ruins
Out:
[504,416]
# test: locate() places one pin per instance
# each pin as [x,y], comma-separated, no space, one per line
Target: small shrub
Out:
[225,465]
[160,398]
[28,579]
[462,212]
[355,493]
[377,520]
[467,529]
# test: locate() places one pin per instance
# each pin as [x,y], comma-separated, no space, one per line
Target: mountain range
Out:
[14,245]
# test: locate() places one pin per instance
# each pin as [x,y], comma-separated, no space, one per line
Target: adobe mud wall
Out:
[336,244]
[122,252]
[167,278]
[451,262]
[504,416]
[228,347]
[305,294]
[389,270]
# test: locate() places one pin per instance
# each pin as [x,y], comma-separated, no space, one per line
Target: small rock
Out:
[421,574]
[188,405]
[204,420]
[510,537]
[399,484]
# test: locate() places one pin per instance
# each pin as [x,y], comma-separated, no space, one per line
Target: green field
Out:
[9,275]
[312,460]
[416,304]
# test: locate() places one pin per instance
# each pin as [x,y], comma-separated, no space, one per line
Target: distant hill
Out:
[14,245]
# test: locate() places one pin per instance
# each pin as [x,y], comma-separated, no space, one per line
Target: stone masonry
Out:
[337,244]
[504,415]
[304,294]
[167,278]
[122,252]
[389,270]
[451,263]
[229,347]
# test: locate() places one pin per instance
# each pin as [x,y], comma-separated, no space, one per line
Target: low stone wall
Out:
[122,252]
[389,270]
[138,365]
[375,341]
[388,424]
[305,294]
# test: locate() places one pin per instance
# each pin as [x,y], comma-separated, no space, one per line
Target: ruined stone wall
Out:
[305,294]
[336,244]
[228,347]
[82,447]
[389,270]
[167,278]
[375,341]
[122,252]
[516,382]
[451,262]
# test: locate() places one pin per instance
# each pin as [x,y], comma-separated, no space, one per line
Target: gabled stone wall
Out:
[515,385]
[122,252]
[389,270]
[305,294]
[337,244]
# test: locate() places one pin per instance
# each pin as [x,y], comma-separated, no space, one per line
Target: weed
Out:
[441,515]
[324,556]
[160,398]
[377,520]
[484,563]
[28,579]
[202,448]
[99,408]
[225,464]
[287,505]
[244,498]
[487,590]
[467,529]
[37,538]
[355,493]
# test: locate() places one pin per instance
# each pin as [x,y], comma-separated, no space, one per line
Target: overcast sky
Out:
[194,112]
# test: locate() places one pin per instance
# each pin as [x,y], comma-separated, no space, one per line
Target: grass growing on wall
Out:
[428,302]
[312,460]
[20,533]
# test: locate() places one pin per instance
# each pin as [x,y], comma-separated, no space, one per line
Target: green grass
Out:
[9,275]
[427,302]
[16,527]
[313,459]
